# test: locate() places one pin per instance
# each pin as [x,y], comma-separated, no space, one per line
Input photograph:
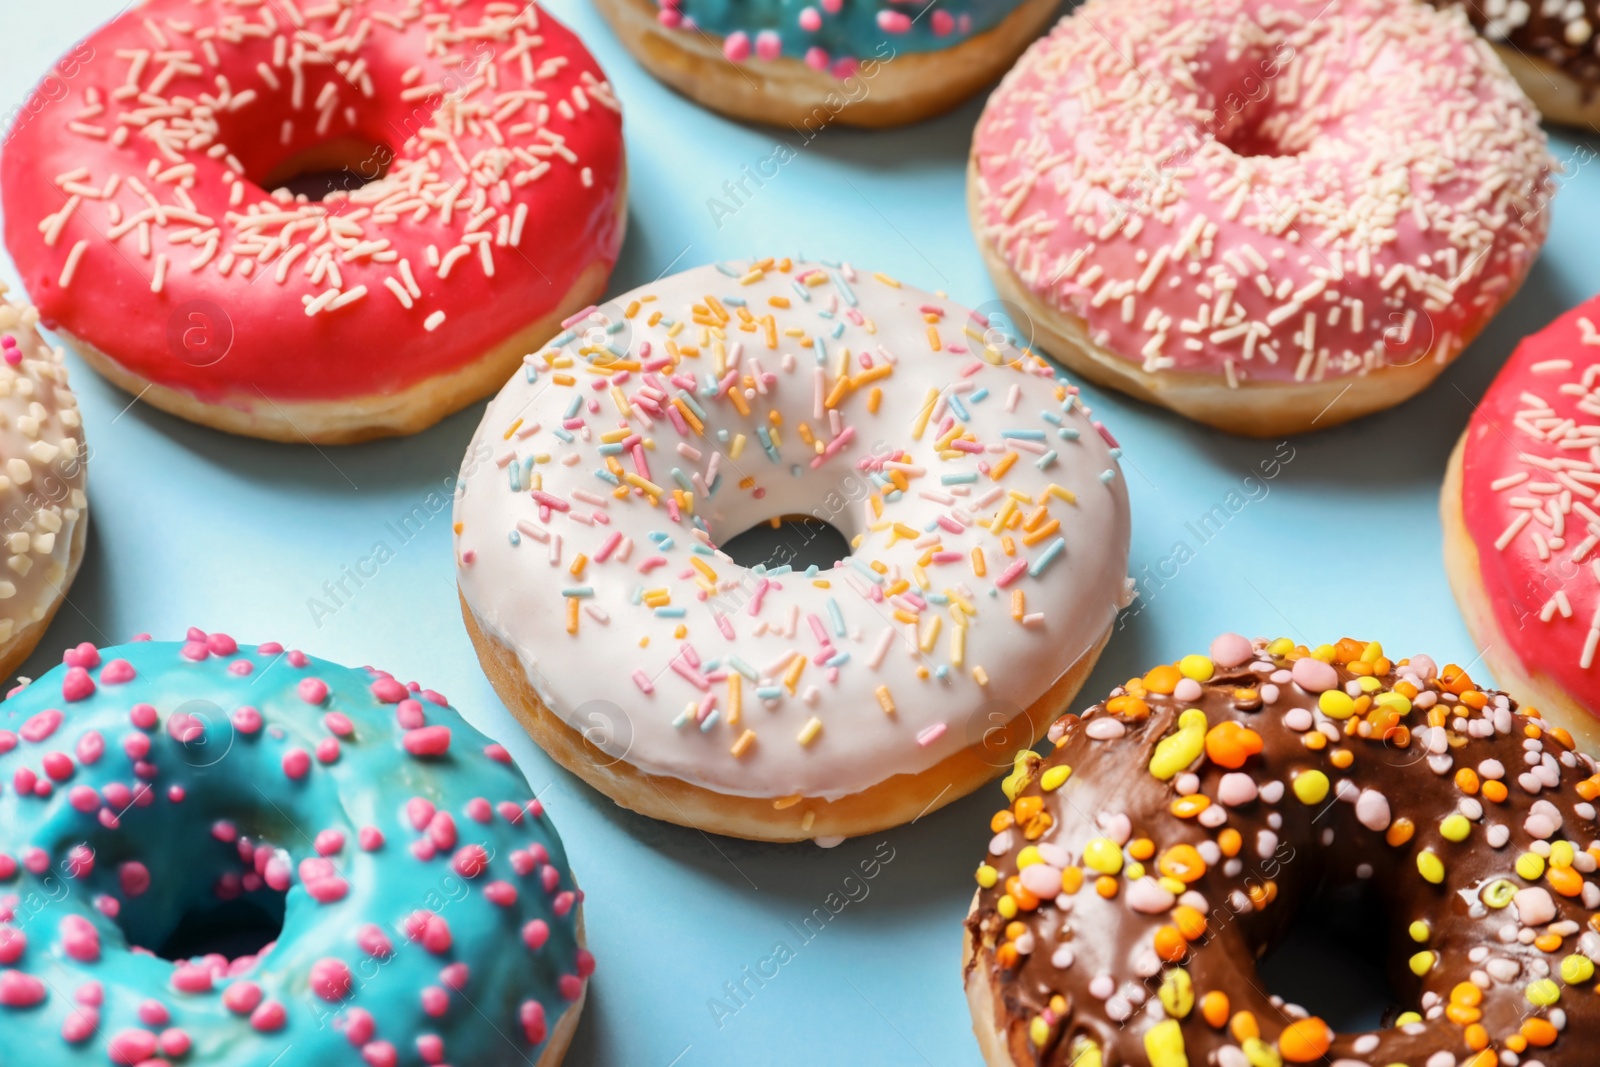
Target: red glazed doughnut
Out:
[138,208]
[1522,522]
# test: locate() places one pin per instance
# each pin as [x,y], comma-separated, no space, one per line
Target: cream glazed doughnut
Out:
[811,64]
[147,211]
[1266,216]
[165,799]
[44,512]
[1521,523]
[986,512]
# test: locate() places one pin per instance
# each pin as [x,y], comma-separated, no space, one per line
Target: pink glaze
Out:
[1530,474]
[146,237]
[1277,190]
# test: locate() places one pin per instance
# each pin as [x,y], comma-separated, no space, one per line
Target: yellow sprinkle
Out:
[1102,855]
[885,701]
[1530,865]
[1422,963]
[1576,970]
[1543,993]
[980,675]
[735,698]
[1163,1044]
[987,876]
[1455,827]
[930,633]
[998,471]
[741,746]
[921,422]
[808,732]
[1420,931]
[1336,704]
[1176,751]
[513,428]
[791,677]
[1196,666]
[704,568]
[1431,867]
[1054,778]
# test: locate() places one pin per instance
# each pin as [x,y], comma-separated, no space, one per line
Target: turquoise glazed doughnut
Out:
[428,915]
[833,35]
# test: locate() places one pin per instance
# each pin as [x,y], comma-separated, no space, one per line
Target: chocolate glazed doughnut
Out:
[1549,45]
[1171,837]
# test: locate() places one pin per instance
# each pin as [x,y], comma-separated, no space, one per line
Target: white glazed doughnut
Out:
[44,515]
[987,513]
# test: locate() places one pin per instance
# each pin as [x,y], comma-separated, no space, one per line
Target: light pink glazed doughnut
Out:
[1267,215]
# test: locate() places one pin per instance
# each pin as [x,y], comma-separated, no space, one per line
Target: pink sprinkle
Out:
[154,1013]
[80,940]
[338,724]
[191,978]
[117,672]
[270,648]
[328,750]
[736,47]
[134,878]
[8,741]
[571,986]
[510,811]
[13,943]
[313,690]
[585,963]
[18,990]
[379,1054]
[500,894]
[247,720]
[435,1001]
[83,798]
[810,19]
[80,1025]
[535,933]
[817,58]
[195,650]
[143,716]
[431,1048]
[221,645]
[419,812]
[442,830]
[370,839]
[80,861]
[943,22]
[329,842]
[296,763]
[241,667]
[90,747]
[130,1047]
[331,979]
[768,45]
[388,691]
[564,901]
[298,659]
[36,860]
[137,747]
[471,861]
[42,725]
[931,734]
[374,942]
[1011,573]
[428,741]
[58,765]
[174,1042]
[531,1016]
[642,680]
[478,810]
[497,752]
[268,1017]
[241,997]
[358,1026]
[432,932]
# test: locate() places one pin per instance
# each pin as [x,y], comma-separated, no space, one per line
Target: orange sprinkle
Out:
[1341,758]
[1162,679]
[1170,944]
[1106,886]
[1141,848]
[1495,791]
[741,746]
[1230,841]
[572,614]
[1305,1040]
[1214,1009]
[1244,1026]
[998,471]
[977,562]
[1071,880]
[1467,781]
[1229,745]
[1191,922]
[1399,832]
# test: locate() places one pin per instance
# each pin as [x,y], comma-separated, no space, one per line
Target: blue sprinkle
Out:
[937,598]
[838,661]
[611,449]
[562,338]
[1116,453]
[759,569]
[564,435]
[682,479]
[812,571]
[1068,433]
[711,490]
[959,408]
[804,295]
[579,591]
[514,537]
[770,692]
[824,313]
[957,479]
[820,349]
[638,595]
[1107,475]
[1050,416]
[657,536]
[743,668]
[694,406]
[709,721]
[891,496]
[837,616]
[1046,460]
[779,571]
[797,471]
[734,301]
[606,476]
[514,470]
[670,612]
[872,576]
[978,394]
[699,523]
[572,408]
[1047,557]
[702,550]
[616,353]
[1070,402]
[766,444]
[845,291]
[729,271]
[1023,435]
[943,672]
[530,372]
[683,718]
[722,435]
[666,544]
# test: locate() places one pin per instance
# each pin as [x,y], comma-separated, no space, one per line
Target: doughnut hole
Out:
[326,170]
[1248,111]
[797,540]
[197,904]
[1331,963]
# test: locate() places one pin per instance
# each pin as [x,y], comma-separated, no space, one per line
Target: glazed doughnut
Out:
[44,514]
[1521,523]
[810,65]
[984,506]
[147,213]
[1140,869]
[1550,48]
[1268,217]
[426,909]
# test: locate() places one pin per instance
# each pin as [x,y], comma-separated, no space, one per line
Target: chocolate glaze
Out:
[1320,845]
[1560,33]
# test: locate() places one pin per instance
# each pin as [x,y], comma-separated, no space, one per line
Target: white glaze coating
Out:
[515,563]
[42,472]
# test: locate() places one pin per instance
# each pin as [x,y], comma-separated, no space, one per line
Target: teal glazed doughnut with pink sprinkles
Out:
[810,63]
[153,794]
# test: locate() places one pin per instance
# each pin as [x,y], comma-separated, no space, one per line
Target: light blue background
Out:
[191,527]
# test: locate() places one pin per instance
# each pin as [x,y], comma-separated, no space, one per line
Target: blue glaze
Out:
[839,35]
[223,779]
